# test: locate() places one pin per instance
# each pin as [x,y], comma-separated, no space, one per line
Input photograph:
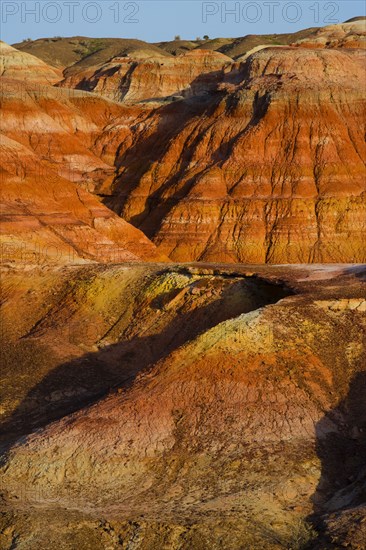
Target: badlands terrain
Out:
[183,292]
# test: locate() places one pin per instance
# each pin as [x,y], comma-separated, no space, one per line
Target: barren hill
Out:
[256,160]
[219,402]
[53,154]
[192,407]
[268,169]
[86,51]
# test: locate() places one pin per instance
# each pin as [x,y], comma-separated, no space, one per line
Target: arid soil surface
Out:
[184,406]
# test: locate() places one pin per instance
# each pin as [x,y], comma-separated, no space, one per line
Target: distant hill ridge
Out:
[63,52]
[87,51]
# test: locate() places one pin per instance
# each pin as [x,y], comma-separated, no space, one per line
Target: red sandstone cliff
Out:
[56,145]
[151,77]
[262,161]
[271,169]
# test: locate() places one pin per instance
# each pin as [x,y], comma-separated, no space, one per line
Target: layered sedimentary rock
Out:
[270,169]
[79,133]
[153,77]
[25,67]
[47,219]
[55,145]
[191,406]
[261,160]
[229,409]
[346,35]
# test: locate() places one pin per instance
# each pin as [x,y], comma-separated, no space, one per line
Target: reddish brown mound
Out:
[52,142]
[47,219]
[270,170]
[251,420]
[151,77]
[78,132]
[351,34]
[25,67]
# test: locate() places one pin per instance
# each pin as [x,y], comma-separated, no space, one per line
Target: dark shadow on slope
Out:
[341,447]
[358,271]
[140,156]
[173,119]
[199,101]
[157,204]
[81,381]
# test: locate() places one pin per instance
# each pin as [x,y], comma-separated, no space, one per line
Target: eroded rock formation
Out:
[268,170]
[155,405]
[213,406]
[257,160]
[151,77]
[56,146]
[25,67]
[351,35]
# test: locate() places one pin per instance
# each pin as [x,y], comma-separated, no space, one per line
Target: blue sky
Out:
[156,20]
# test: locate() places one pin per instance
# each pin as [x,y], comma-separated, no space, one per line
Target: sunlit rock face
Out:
[257,160]
[350,35]
[270,169]
[25,67]
[56,147]
[151,77]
